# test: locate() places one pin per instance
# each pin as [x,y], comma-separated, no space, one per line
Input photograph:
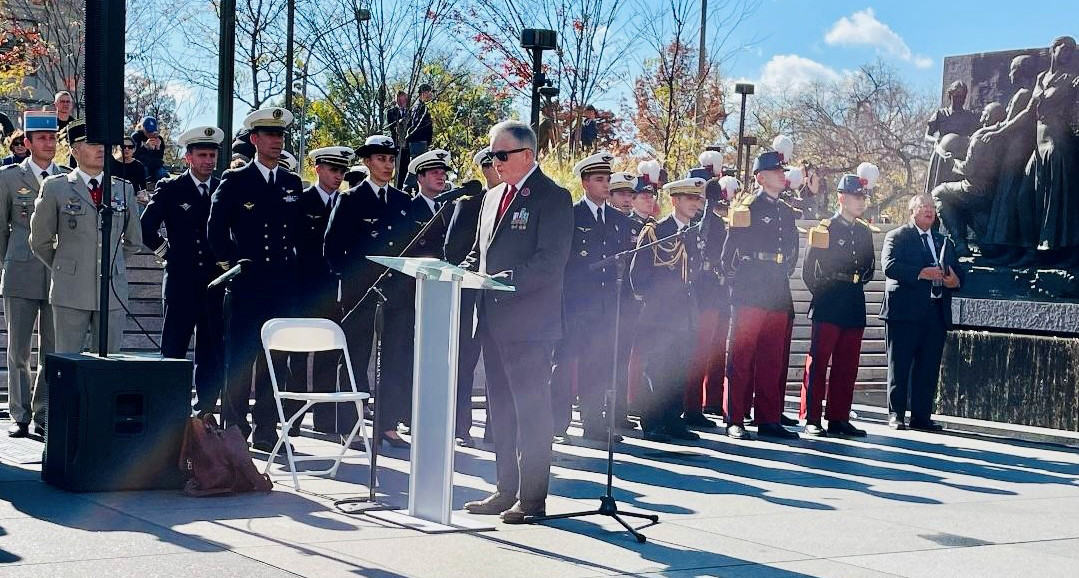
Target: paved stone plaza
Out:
[898,504]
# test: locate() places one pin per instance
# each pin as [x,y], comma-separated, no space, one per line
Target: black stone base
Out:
[1017,379]
[1027,284]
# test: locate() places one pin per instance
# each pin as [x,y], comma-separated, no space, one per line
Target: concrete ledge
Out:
[1041,316]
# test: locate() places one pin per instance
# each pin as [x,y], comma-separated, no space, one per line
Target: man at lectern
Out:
[524,238]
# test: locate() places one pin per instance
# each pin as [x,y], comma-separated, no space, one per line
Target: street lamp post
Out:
[226,68]
[745,89]
[538,40]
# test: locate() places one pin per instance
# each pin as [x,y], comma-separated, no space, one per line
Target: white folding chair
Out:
[309,335]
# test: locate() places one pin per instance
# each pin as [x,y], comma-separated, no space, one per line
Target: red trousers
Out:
[843,347]
[755,364]
[705,386]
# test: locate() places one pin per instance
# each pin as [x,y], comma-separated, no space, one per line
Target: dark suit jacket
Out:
[589,292]
[532,242]
[318,281]
[249,219]
[189,262]
[420,127]
[461,233]
[906,298]
[670,302]
[362,225]
[430,244]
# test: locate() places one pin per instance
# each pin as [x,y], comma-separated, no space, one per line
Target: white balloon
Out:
[795,177]
[783,145]
[870,173]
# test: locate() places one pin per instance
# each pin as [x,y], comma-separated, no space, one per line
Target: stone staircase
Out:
[144,277]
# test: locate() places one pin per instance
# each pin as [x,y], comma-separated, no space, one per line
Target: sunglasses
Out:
[505,155]
[129,147]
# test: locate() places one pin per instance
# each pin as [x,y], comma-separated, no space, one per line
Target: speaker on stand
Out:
[115,422]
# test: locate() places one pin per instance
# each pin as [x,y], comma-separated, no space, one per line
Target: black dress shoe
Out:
[517,513]
[393,442]
[496,503]
[895,422]
[844,428]
[712,410]
[655,435]
[697,419]
[774,430]
[600,435]
[927,425]
[266,446]
[737,432]
[466,441]
[18,430]
[786,421]
[815,430]
[684,434]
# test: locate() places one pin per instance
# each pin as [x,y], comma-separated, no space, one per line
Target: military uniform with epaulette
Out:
[182,205]
[705,385]
[24,282]
[586,352]
[839,263]
[255,215]
[373,219]
[665,277]
[65,233]
[759,256]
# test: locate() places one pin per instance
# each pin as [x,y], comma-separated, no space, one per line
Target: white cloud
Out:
[790,71]
[863,29]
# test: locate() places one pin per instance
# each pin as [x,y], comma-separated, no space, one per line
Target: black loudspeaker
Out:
[115,423]
[104,79]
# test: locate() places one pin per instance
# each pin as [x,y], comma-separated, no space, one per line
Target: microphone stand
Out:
[607,504]
[105,224]
[380,304]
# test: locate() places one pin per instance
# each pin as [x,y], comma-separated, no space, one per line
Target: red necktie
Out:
[95,192]
[507,198]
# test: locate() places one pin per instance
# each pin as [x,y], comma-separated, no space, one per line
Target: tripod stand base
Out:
[607,507]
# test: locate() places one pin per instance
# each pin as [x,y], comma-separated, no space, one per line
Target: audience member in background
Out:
[126,167]
[589,129]
[150,149]
[17,147]
[64,105]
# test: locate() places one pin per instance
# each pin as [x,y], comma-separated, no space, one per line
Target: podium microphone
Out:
[468,188]
[228,275]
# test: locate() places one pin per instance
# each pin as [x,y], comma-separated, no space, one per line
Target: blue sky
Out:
[806,39]
[829,36]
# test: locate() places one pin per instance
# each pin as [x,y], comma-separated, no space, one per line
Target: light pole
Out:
[226,69]
[745,89]
[290,37]
[538,40]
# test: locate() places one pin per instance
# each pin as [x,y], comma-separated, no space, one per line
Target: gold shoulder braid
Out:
[872,228]
[675,251]
[818,236]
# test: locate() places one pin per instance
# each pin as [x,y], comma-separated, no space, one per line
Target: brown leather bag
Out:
[217,462]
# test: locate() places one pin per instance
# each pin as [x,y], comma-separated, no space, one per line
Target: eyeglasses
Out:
[129,147]
[505,155]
